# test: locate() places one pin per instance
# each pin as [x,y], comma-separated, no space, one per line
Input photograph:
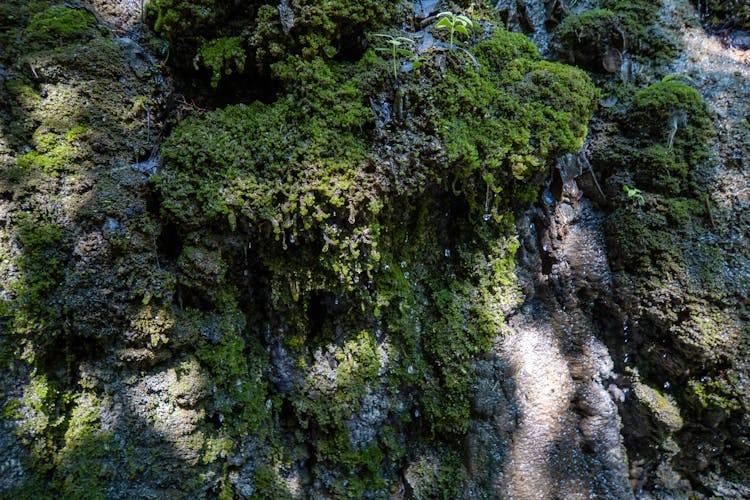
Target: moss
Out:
[221,56]
[201,270]
[715,393]
[384,248]
[502,47]
[654,106]
[585,38]
[307,29]
[437,476]
[498,127]
[235,365]
[641,21]
[662,407]
[269,484]
[84,467]
[669,121]
[726,14]
[247,168]
[59,24]
[591,37]
[41,265]
[357,367]
[55,153]
[178,18]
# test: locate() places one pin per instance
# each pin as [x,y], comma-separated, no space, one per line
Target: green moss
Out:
[641,21]
[84,468]
[585,38]
[671,119]
[179,18]
[307,186]
[726,14]
[358,363]
[385,248]
[55,153]
[41,265]
[503,46]
[715,392]
[662,407]
[440,476]
[588,38]
[311,30]
[661,101]
[269,485]
[59,24]
[202,270]
[499,126]
[235,365]
[221,56]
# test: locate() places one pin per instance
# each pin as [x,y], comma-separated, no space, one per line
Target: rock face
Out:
[329,262]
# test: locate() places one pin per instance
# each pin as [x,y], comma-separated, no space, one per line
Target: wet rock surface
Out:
[161,344]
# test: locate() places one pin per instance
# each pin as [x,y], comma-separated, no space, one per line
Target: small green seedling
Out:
[393,47]
[454,23]
[634,193]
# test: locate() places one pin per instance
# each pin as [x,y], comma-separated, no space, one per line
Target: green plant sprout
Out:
[454,23]
[634,193]
[394,48]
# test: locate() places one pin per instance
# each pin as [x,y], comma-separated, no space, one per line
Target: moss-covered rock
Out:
[269,33]
[382,245]
[58,25]
[598,39]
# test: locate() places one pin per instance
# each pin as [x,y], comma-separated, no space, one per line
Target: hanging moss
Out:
[270,32]
[221,56]
[386,261]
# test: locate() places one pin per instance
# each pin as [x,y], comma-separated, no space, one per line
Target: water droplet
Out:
[291,239]
[403,264]
[416,413]
[447,252]
[387,267]
[667,385]
[406,275]
[486,217]
[355,279]
[410,370]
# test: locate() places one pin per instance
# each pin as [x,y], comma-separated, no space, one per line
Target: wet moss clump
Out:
[597,39]
[207,31]
[670,124]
